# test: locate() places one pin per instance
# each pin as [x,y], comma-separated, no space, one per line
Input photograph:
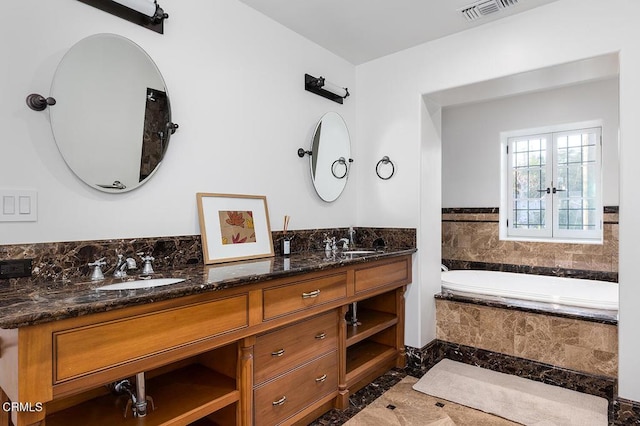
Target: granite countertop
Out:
[41,302]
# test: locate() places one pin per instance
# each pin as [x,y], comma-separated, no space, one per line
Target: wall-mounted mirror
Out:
[330,156]
[112,118]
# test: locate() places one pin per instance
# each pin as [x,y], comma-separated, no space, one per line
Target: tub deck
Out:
[590,300]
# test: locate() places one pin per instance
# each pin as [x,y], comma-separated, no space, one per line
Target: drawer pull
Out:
[278,353]
[311,294]
[321,378]
[321,336]
[280,401]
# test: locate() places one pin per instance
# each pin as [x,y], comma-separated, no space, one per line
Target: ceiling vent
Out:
[481,8]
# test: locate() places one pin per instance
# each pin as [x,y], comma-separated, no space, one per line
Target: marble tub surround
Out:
[578,345]
[535,270]
[472,235]
[67,261]
[571,312]
[33,302]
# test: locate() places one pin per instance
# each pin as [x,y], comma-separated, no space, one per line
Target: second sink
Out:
[359,251]
[137,284]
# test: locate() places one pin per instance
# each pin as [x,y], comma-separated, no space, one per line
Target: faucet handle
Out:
[147,267]
[328,242]
[99,262]
[97,274]
[145,258]
[345,243]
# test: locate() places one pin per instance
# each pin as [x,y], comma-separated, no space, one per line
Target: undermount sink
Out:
[137,284]
[359,251]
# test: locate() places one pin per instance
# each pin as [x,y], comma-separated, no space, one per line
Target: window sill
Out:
[593,241]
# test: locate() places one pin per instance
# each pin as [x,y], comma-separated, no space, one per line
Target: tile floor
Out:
[401,405]
[404,406]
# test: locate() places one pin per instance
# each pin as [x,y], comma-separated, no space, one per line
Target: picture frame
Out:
[234,227]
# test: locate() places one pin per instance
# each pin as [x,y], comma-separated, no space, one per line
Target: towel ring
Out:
[385,160]
[342,161]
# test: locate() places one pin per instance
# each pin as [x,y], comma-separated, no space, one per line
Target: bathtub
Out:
[557,292]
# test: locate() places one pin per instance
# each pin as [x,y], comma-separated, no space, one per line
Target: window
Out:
[553,186]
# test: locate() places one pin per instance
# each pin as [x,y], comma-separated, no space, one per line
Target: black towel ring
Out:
[385,160]
[342,161]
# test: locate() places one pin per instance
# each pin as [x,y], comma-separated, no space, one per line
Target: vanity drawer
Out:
[282,398]
[379,276]
[91,348]
[291,298]
[288,347]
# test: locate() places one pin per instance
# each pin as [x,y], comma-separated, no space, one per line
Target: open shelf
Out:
[372,322]
[180,396]
[223,417]
[366,356]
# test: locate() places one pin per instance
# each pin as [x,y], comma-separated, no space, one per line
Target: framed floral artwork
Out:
[234,227]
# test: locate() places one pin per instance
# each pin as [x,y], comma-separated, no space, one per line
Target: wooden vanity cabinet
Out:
[273,352]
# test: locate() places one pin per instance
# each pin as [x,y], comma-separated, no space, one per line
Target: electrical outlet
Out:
[15,268]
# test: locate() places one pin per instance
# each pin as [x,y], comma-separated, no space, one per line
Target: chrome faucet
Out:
[123,265]
[330,244]
[352,232]
[345,243]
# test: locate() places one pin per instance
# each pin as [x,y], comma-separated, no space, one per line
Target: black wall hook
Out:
[38,102]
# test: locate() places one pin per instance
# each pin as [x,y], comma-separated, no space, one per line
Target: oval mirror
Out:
[330,158]
[112,118]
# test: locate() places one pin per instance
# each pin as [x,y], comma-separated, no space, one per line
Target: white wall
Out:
[235,79]
[391,118]
[471,137]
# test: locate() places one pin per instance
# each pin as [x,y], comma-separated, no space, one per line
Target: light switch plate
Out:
[18,205]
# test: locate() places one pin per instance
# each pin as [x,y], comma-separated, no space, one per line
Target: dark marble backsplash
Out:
[64,261]
[312,240]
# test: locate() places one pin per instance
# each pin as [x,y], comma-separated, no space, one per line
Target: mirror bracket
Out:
[302,153]
[38,102]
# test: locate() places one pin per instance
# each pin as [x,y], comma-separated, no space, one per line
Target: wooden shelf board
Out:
[365,356]
[180,397]
[372,322]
